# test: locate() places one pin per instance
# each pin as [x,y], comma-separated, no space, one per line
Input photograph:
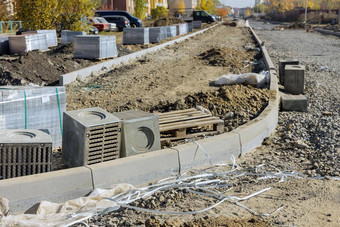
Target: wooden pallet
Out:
[177,124]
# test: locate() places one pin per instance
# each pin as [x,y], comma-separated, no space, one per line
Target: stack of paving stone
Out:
[171,31]
[190,27]
[95,46]
[51,36]
[27,107]
[135,36]
[4,46]
[26,43]
[157,34]
[67,36]
[292,77]
[197,24]
[182,29]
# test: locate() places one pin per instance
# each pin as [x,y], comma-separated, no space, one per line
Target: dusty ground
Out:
[44,68]
[306,143]
[166,76]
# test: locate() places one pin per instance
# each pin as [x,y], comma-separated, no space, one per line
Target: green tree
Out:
[140,8]
[38,14]
[260,8]
[159,11]
[72,12]
[47,14]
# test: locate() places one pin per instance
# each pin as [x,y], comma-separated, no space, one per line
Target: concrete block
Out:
[197,24]
[157,34]
[181,29]
[282,65]
[90,136]
[294,79]
[95,46]
[57,186]
[67,36]
[291,102]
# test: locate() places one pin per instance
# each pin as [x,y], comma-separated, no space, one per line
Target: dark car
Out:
[121,21]
[203,16]
[134,21]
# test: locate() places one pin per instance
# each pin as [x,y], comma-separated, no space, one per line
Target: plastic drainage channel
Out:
[104,67]
[24,192]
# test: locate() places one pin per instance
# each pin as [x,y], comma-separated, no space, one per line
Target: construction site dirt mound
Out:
[236,104]
[41,68]
[237,61]
[167,21]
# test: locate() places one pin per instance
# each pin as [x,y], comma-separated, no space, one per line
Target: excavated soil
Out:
[237,61]
[41,68]
[235,104]
[167,21]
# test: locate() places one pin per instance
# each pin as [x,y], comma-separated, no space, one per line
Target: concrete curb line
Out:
[323,31]
[66,184]
[106,66]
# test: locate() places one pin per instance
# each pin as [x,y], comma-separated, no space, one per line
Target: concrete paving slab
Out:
[282,65]
[291,102]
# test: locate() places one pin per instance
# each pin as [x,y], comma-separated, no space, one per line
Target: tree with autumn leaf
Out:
[207,5]
[140,8]
[47,14]
[222,12]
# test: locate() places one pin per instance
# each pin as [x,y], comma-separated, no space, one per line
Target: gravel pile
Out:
[312,138]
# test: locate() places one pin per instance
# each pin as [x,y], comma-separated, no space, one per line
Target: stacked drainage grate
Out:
[24,152]
[90,136]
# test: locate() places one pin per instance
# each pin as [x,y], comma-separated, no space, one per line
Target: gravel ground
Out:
[313,137]
[303,142]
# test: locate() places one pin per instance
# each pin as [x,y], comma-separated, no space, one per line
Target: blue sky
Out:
[238,3]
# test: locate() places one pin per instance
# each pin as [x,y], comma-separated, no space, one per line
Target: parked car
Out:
[99,25]
[134,21]
[93,30]
[112,26]
[203,16]
[121,21]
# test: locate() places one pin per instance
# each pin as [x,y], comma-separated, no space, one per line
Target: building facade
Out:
[124,5]
[183,6]
[151,4]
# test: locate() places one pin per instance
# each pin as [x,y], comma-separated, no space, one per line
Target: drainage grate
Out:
[103,143]
[24,159]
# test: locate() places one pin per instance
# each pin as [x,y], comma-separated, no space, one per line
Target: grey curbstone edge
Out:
[162,163]
[323,31]
[24,192]
[72,183]
[104,67]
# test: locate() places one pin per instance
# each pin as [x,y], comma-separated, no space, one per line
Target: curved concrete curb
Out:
[327,32]
[106,66]
[61,185]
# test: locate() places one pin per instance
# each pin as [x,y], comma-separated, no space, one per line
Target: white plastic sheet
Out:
[65,214]
[254,79]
